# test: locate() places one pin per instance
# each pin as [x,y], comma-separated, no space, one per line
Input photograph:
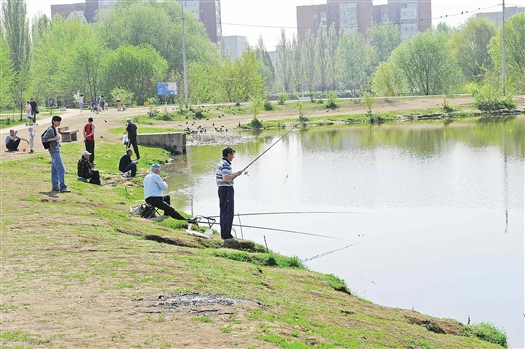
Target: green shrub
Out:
[489,98]
[267,105]
[332,100]
[255,124]
[282,99]
[488,332]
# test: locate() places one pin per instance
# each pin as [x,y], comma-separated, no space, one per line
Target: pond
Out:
[423,216]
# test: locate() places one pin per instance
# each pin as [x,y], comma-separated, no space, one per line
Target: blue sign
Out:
[166,88]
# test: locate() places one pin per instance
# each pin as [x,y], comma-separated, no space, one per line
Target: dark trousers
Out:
[226,206]
[13,145]
[132,168]
[33,114]
[94,177]
[90,147]
[163,202]
[133,142]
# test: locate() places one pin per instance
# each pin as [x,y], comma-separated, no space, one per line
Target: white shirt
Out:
[154,185]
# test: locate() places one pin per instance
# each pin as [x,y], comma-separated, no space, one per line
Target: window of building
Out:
[315,16]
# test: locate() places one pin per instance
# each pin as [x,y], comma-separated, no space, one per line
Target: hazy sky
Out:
[251,18]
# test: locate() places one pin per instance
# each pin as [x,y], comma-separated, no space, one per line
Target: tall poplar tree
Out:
[16,28]
[283,62]
[321,57]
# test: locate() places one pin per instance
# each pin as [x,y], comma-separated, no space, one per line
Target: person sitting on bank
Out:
[126,164]
[12,141]
[153,187]
[85,169]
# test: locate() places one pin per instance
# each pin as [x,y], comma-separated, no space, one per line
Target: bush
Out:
[489,98]
[282,99]
[332,100]
[490,333]
[255,124]
[268,106]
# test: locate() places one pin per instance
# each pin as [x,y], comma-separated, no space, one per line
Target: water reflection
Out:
[428,201]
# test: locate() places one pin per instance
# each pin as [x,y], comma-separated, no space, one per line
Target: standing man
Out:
[81,102]
[126,164]
[153,187]
[58,171]
[224,177]
[131,130]
[34,109]
[118,101]
[89,139]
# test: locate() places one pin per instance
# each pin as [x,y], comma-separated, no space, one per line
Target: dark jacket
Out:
[125,160]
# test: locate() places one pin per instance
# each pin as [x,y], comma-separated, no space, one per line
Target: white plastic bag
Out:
[125,139]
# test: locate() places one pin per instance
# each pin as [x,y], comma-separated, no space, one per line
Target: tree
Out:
[384,38]
[470,46]
[240,80]
[355,60]
[321,54]
[515,53]
[267,70]
[16,28]
[144,68]
[282,70]
[427,64]
[388,80]
[203,82]
[6,74]
[308,60]
[332,45]
[295,64]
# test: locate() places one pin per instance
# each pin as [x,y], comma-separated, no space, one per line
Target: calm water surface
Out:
[436,213]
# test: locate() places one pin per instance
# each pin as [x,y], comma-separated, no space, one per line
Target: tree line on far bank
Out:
[137,44]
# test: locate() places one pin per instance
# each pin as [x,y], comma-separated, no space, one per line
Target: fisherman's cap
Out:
[85,152]
[154,166]
[226,151]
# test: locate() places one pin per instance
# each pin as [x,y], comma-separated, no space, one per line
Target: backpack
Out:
[46,143]
[148,211]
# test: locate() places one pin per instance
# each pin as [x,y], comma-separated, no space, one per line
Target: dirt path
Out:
[113,118]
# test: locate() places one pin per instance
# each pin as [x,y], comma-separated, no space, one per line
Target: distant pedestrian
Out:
[34,109]
[131,130]
[80,101]
[224,177]
[127,165]
[118,101]
[29,113]
[89,139]
[57,166]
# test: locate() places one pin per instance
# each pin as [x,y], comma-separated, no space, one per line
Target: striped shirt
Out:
[224,168]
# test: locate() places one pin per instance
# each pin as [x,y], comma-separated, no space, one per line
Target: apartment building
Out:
[357,16]
[497,17]
[234,45]
[208,12]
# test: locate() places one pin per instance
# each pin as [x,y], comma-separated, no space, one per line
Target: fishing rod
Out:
[270,147]
[285,231]
[330,252]
[288,213]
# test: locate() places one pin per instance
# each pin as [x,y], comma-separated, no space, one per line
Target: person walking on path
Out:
[126,164]
[58,171]
[89,139]
[131,130]
[224,177]
[153,187]
[34,109]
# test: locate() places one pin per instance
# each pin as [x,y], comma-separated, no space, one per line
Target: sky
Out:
[252,18]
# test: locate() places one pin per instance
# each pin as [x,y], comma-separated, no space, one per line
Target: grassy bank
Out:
[78,271]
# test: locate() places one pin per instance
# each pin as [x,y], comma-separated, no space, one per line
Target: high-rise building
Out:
[350,16]
[234,45]
[310,18]
[209,13]
[206,11]
[497,17]
[412,16]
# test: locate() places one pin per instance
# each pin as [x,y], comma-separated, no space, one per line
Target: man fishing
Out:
[224,177]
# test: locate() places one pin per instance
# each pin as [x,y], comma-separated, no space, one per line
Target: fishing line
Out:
[289,212]
[286,231]
[330,252]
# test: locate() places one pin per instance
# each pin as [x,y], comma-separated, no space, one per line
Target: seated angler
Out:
[153,187]
[12,141]
[126,164]
[85,169]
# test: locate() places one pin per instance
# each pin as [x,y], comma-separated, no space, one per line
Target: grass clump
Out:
[488,332]
[263,259]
